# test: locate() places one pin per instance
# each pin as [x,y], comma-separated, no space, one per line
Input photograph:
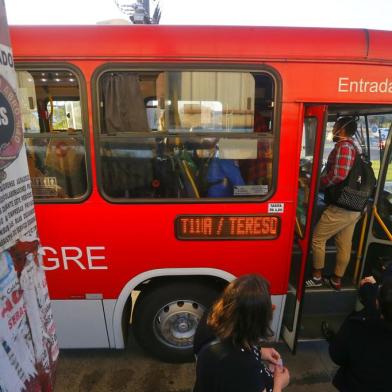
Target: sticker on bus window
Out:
[44,186]
[276,208]
[250,190]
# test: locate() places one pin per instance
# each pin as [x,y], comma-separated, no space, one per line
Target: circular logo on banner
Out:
[11,130]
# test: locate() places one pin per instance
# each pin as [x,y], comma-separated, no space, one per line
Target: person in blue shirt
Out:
[222,176]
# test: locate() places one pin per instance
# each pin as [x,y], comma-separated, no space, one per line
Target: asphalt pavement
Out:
[133,370]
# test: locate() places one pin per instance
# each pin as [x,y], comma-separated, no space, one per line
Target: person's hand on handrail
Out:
[367,279]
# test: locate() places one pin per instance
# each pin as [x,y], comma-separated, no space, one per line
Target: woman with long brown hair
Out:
[227,342]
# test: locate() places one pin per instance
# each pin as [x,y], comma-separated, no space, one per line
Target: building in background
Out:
[141,11]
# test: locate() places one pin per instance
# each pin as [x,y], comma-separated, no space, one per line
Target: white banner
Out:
[17,218]
[17,369]
[28,345]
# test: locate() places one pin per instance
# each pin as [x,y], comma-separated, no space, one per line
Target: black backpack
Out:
[356,189]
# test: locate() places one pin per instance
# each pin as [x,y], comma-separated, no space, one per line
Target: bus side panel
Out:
[80,323]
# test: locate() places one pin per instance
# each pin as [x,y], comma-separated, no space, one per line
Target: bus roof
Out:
[199,43]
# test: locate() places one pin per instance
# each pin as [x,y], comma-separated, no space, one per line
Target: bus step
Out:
[325,300]
[310,327]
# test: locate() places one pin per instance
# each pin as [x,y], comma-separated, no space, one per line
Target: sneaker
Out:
[314,282]
[336,286]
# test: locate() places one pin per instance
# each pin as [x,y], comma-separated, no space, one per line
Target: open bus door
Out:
[310,161]
[377,255]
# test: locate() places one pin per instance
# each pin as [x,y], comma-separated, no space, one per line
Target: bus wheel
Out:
[166,318]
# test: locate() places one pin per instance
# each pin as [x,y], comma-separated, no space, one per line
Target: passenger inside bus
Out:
[222,176]
[336,221]
[368,117]
[255,171]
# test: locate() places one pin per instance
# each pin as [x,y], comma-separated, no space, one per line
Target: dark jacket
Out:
[363,349]
[224,367]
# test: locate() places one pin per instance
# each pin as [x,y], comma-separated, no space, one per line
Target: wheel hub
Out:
[175,323]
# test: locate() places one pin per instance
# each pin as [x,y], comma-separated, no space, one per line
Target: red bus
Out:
[166,161]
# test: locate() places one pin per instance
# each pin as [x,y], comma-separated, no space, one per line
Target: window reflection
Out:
[52,119]
[186,134]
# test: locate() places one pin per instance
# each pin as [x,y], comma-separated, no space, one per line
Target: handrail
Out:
[298,226]
[360,247]
[361,240]
[381,223]
[191,180]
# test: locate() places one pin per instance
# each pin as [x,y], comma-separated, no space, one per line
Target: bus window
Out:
[190,134]
[384,205]
[67,114]
[52,119]
[378,131]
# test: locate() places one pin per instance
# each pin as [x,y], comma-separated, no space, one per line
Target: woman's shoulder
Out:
[242,357]
[236,368]
[232,352]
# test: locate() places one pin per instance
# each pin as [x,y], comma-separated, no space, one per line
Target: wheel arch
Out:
[123,299]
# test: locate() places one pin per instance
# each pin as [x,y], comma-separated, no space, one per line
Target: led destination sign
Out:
[227,227]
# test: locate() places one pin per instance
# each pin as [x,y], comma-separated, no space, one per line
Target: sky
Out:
[371,14]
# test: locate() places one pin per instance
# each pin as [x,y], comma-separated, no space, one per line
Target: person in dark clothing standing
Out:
[227,342]
[363,345]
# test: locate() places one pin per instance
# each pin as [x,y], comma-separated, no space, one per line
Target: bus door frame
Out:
[302,238]
[374,215]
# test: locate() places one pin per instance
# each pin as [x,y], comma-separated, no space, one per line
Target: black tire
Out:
[166,317]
